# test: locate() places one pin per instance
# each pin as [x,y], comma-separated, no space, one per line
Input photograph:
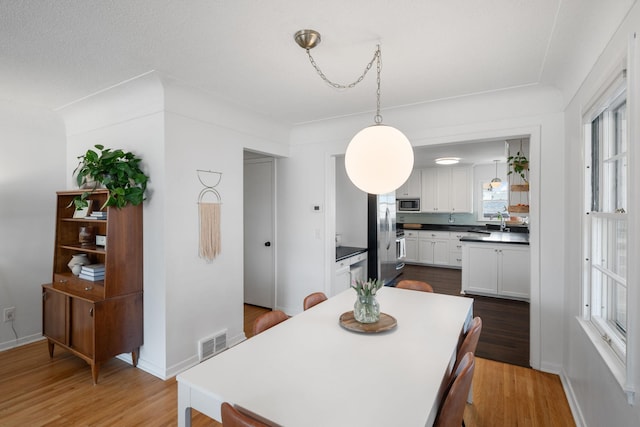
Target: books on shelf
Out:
[98,215]
[90,277]
[92,268]
[93,272]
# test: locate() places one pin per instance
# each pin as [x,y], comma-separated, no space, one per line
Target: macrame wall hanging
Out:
[209,203]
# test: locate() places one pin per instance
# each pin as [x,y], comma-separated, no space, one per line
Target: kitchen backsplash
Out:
[439,218]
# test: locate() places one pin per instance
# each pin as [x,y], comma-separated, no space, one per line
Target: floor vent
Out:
[211,346]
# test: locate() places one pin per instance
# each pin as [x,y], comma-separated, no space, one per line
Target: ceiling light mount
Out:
[379,158]
[307,39]
[447,160]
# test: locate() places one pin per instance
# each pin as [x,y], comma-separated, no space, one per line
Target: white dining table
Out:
[310,371]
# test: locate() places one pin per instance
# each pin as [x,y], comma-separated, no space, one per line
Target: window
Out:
[606,223]
[494,201]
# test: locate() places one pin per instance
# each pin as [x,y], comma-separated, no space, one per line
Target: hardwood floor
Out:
[38,391]
[505,323]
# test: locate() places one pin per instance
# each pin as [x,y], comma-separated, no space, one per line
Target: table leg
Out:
[184,405]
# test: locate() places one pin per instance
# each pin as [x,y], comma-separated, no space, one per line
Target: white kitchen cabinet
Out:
[348,269]
[341,278]
[431,179]
[433,247]
[411,189]
[446,189]
[411,245]
[455,248]
[496,269]
[461,190]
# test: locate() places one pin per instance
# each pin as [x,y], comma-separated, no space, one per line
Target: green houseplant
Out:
[518,164]
[118,171]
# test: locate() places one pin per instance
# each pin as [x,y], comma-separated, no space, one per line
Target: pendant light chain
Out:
[376,58]
[376,55]
[378,159]
[378,118]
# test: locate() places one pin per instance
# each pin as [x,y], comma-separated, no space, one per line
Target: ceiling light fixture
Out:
[447,160]
[496,182]
[379,158]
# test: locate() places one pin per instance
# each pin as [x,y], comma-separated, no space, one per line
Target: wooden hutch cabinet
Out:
[96,320]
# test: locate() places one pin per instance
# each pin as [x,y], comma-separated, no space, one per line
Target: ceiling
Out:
[54,52]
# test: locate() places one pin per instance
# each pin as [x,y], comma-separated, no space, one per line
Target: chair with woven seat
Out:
[313,299]
[451,409]
[415,285]
[268,320]
[231,417]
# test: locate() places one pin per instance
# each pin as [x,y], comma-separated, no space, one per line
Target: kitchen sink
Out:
[508,229]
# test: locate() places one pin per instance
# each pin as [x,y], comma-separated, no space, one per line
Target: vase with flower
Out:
[366,308]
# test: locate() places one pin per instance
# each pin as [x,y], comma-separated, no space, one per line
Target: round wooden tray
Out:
[385,323]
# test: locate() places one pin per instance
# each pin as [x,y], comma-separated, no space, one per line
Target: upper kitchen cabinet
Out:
[446,189]
[411,189]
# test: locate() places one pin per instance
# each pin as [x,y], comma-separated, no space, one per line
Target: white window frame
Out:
[618,353]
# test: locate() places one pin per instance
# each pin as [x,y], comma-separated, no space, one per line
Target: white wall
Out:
[130,116]
[596,396]
[351,208]
[31,171]
[206,298]
[531,110]
[177,130]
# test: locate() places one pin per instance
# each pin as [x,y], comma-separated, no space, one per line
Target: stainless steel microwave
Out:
[408,205]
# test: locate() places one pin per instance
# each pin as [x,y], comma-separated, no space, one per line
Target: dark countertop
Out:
[499,237]
[343,252]
[443,227]
[485,229]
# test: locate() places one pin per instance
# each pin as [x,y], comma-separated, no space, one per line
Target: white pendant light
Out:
[379,158]
[496,182]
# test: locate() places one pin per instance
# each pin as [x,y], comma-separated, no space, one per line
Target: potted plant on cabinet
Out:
[117,171]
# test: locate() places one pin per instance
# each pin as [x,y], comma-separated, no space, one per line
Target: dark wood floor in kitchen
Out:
[505,323]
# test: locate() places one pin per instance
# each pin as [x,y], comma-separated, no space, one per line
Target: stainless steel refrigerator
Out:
[382,254]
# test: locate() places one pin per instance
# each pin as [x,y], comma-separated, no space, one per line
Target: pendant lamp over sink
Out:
[379,158]
[496,182]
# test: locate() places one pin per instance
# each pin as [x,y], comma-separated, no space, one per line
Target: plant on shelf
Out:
[117,171]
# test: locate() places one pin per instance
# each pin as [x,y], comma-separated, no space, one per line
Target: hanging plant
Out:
[117,171]
[519,165]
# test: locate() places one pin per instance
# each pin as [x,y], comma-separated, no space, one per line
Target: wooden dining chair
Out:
[268,320]
[231,417]
[414,285]
[451,410]
[313,299]
[470,341]
[468,345]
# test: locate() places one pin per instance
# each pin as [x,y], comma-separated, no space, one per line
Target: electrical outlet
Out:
[9,314]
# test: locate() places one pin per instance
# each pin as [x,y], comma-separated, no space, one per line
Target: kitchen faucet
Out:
[503,224]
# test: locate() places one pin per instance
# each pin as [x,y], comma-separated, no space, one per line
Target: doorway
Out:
[259,230]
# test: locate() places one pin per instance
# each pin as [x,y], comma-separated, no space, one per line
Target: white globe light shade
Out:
[379,159]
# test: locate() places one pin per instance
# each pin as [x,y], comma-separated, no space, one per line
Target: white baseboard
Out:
[551,368]
[578,418]
[175,369]
[20,341]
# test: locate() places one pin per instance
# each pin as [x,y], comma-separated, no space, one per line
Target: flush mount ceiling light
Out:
[447,160]
[379,158]
[496,182]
